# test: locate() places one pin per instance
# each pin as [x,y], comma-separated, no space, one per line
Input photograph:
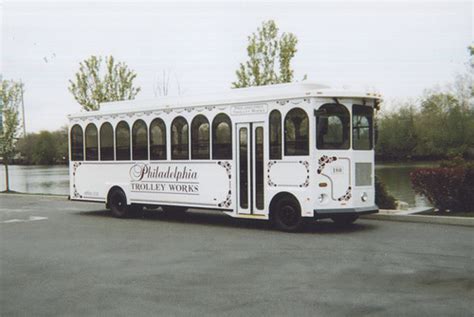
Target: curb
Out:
[442,220]
[33,194]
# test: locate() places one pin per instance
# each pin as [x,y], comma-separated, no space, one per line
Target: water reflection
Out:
[37,179]
[396,177]
[55,180]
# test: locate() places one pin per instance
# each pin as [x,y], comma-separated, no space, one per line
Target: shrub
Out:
[382,198]
[443,187]
[467,190]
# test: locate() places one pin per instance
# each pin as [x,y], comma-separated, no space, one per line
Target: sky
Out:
[396,48]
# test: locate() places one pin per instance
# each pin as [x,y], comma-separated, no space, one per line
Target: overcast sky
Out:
[397,48]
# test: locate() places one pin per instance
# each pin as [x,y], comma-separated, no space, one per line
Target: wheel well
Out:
[280,196]
[110,192]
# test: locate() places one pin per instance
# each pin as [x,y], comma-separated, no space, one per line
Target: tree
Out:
[161,87]
[44,147]
[94,84]
[10,93]
[269,56]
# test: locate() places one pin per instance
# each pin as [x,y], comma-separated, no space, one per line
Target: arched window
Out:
[332,124]
[200,138]
[106,142]
[92,143]
[275,135]
[122,141]
[296,132]
[221,137]
[77,143]
[179,139]
[157,140]
[139,140]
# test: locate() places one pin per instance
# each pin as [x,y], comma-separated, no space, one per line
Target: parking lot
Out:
[67,258]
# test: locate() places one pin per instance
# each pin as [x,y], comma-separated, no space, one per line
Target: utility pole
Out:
[22,110]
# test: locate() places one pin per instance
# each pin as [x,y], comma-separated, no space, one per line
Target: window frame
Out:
[221,155]
[73,144]
[173,155]
[101,158]
[285,141]
[279,136]
[135,150]
[195,133]
[346,127]
[88,128]
[117,140]
[162,125]
[370,112]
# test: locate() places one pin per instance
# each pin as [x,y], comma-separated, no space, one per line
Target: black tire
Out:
[118,204]
[345,220]
[286,215]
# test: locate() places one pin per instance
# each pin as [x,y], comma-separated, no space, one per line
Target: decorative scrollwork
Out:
[347,195]
[228,200]
[323,160]
[306,182]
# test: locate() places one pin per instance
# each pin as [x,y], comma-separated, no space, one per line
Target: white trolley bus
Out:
[283,153]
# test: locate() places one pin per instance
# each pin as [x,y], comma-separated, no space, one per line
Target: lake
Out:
[55,180]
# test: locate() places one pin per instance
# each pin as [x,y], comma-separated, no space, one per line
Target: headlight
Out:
[364,197]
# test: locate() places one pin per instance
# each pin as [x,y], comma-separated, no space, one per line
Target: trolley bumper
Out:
[328,213]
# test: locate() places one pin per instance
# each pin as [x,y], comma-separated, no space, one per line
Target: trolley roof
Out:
[232,96]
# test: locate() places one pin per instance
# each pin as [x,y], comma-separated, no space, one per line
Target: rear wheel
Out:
[118,204]
[286,215]
[344,220]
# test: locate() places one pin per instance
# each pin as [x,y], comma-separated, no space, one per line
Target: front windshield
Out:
[332,127]
[362,121]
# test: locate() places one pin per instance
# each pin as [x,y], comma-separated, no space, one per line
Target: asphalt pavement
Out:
[62,258]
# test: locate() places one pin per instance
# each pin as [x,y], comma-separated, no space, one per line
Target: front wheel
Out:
[344,220]
[118,204]
[287,215]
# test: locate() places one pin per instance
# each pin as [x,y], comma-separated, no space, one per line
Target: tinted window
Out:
[221,137]
[362,118]
[106,142]
[200,138]
[92,143]
[243,168]
[259,169]
[296,132]
[179,139]
[122,141]
[275,135]
[157,140]
[332,127]
[77,143]
[139,140]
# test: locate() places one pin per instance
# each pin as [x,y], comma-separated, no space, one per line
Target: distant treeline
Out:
[43,148]
[439,126]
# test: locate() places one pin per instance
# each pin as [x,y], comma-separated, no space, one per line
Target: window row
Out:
[145,143]
[333,127]
[333,130]
[296,133]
